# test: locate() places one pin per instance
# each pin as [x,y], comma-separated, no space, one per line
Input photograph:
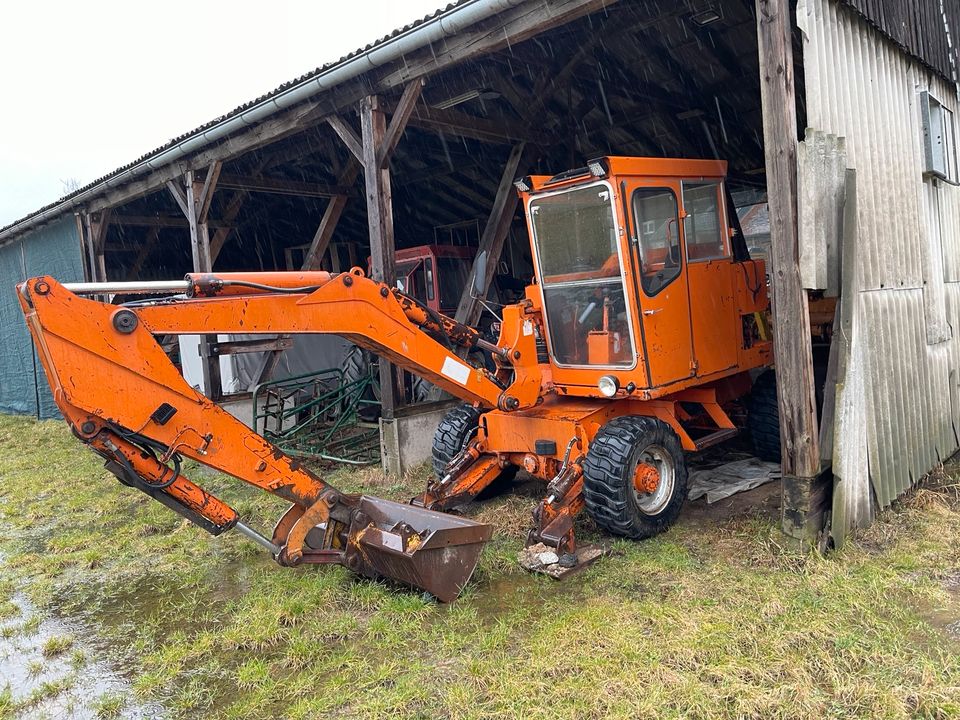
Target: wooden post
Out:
[495,232]
[799,438]
[194,198]
[373,123]
[95,226]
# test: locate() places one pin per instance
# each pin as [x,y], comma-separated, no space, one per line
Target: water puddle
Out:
[50,669]
[945,617]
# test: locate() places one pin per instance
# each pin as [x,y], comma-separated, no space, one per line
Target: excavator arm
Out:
[123,396]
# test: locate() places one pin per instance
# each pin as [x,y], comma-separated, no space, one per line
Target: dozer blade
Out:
[429,550]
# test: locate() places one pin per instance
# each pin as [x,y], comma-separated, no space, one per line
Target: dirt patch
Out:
[762,502]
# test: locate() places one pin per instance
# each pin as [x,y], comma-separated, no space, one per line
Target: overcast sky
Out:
[89,86]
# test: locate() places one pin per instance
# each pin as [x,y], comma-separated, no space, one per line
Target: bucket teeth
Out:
[429,550]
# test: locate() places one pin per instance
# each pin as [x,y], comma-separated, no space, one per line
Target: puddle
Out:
[57,684]
[945,617]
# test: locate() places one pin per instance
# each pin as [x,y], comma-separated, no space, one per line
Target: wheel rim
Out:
[657,457]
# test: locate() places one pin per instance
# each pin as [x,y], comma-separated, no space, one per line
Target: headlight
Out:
[523,184]
[608,386]
[599,167]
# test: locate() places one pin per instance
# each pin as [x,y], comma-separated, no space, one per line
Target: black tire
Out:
[763,417]
[609,469]
[453,433]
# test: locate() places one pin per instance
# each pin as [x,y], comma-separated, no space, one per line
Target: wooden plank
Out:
[495,232]
[795,382]
[398,123]
[234,347]
[347,135]
[822,162]
[373,125]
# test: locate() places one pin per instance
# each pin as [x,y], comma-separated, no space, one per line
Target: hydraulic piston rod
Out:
[143,287]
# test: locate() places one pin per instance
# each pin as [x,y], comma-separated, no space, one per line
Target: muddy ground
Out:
[110,606]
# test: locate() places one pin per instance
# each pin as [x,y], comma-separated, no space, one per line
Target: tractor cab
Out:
[636,277]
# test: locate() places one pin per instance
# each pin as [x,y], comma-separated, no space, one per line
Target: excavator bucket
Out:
[429,550]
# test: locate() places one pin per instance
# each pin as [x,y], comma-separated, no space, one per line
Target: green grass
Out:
[712,619]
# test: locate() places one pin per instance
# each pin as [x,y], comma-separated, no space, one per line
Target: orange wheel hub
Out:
[646,478]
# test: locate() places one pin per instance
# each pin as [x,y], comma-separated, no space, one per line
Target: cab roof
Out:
[683,168]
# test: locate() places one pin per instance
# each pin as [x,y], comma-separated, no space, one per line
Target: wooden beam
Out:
[398,123]
[229,215]
[795,382]
[468,126]
[347,135]
[85,256]
[162,221]
[495,232]
[199,240]
[90,249]
[176,190]
[209,186]
[373,124]
[279,186]
[146,247]
[331,216]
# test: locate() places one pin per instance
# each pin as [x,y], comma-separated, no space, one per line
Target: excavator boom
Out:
[123,396]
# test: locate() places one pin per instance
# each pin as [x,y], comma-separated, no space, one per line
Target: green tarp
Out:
[51,250]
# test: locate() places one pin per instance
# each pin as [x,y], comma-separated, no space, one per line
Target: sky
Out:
[89,86]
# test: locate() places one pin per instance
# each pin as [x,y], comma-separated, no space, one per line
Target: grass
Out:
[712,619]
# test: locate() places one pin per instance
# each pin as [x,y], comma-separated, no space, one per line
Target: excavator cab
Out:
[636,272]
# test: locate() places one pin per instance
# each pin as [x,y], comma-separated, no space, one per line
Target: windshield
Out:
[410,279]
[576,240]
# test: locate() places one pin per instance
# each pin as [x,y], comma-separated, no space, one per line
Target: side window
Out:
[428,277]
[702,228]
[658,236]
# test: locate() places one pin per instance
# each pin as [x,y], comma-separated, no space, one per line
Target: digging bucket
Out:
[433,551]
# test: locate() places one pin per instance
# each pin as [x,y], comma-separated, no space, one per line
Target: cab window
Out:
[655,215]
[701,227]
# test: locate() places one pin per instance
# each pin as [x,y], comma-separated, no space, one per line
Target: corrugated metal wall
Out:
[905,347]
[50,250]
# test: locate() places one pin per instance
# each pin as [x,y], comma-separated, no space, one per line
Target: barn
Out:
[839,114]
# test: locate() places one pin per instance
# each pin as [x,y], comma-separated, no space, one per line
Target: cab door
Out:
[660,277]
[714,319]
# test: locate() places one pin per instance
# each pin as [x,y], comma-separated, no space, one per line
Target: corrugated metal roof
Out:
[242,108]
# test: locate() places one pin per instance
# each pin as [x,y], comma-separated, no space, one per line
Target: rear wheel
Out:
[635,477]
[763,417]
[454,432]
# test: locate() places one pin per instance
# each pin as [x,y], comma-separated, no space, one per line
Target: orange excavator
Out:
[630,348]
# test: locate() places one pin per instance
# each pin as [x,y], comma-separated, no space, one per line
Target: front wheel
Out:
[635,477]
